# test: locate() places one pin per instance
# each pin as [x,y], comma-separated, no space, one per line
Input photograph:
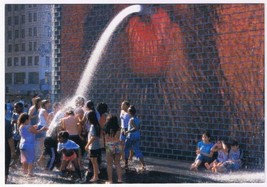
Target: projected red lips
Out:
[148,43]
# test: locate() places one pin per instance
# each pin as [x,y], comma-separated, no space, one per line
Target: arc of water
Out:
[96,55]
[92,62]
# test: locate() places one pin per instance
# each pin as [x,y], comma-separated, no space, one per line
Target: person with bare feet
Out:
[203,151]
[113,147]
[222,150]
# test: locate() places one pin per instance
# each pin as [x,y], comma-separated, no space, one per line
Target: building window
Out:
[16,61]
[19,78]
[47,61]
[23,47]
[9,61]
[30,17]
[33,78]
[22,33]
[9,8]
[30,31]
[8,78]
[29,60]
[16,47]
[49,31]
[23,61]
[35,31]
[9,35]
[16,34]
[9,21]
[47,77]
[34,16]
[36,60]
[34,46]
[16,7]
[30,46]
[22,19]
[10,48]
[22,7]
[16,21]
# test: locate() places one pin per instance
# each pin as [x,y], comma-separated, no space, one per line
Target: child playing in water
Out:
[133,138]
[69,151]
[93,144]
[203,151]
[125,117]
[113,147]
[222,150]
[234,162]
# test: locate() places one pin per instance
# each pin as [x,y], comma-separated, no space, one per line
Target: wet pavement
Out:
[158,171]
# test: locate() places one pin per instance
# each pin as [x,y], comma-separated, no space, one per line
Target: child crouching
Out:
[68,149]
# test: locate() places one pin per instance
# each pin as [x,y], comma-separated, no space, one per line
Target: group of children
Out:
[69,134]
[216,157]
[73,133]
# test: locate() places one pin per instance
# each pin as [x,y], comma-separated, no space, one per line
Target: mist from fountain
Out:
[98,52]
[100,47]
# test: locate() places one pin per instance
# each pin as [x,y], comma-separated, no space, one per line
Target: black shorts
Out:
[95,153]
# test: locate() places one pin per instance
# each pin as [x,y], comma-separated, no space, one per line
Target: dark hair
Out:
[23,117]
[102,108]
[90,105]
[63,134]
[94,121]
[207,133]
[112,125]
[234,143]
[132,110]
[34,95]
[19,104]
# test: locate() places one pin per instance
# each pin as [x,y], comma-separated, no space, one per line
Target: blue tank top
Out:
[204,147]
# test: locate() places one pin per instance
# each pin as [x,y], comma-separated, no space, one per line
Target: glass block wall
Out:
[187,68]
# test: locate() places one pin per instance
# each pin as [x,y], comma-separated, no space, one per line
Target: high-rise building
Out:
[28,44]
[56,53]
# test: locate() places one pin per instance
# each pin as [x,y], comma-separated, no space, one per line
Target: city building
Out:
[28,44]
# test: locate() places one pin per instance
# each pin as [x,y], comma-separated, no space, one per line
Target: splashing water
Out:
[100,48]
[95,57]
[97,53]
